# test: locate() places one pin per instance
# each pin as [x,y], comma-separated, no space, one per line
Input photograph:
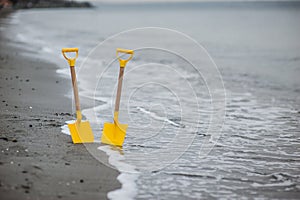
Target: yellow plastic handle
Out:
[122,61]
[70,60]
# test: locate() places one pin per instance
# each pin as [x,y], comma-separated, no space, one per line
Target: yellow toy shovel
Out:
[114,133]
[81,131]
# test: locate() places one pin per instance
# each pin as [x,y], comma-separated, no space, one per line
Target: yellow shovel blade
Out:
[81,132]
[114,134]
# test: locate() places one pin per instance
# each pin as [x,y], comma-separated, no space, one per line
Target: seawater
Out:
[257,51]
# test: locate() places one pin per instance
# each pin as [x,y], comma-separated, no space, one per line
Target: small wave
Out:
[47,50]
[144,146]
[21,38]
[64,71]
[155,116]
[278,184]
[190,175]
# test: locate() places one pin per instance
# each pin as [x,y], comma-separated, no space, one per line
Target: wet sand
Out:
[37,160]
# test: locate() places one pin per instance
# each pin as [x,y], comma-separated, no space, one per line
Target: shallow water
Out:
[257,51]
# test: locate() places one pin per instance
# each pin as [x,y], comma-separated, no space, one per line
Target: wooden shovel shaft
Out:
[75,88]
[120,80]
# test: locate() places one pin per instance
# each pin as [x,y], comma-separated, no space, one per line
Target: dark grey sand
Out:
[37,160]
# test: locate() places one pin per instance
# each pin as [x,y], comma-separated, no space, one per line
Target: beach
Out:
[211,99]
[37,161]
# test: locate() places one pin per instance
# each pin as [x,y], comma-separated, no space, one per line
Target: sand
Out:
[37,160]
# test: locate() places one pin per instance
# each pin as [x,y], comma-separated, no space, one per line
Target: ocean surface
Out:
[211,97]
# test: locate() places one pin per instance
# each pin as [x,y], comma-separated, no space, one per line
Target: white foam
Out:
[128,190]
[277,184]
[155,116]
[47,49]
[65,72]
[127,177]
[65,128]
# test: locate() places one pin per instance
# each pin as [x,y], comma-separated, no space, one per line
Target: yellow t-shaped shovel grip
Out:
[70,60]
[123,62]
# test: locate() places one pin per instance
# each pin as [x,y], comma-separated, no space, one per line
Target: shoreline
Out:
[37,160]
